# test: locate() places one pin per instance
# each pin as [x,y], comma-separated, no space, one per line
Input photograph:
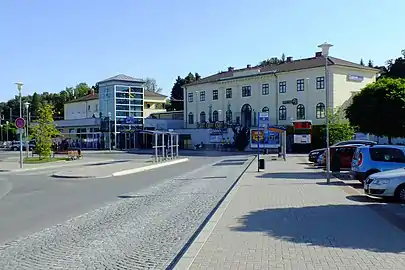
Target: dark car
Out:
[314,154]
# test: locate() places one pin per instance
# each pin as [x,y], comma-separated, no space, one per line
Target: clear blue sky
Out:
[49,45]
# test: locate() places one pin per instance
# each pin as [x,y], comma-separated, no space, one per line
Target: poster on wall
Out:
[302,138]
[266,138]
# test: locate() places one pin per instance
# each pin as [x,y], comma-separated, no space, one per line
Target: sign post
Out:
[264,118]
[20,123]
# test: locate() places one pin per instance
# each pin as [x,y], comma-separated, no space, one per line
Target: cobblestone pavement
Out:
[144,230]
[287,218]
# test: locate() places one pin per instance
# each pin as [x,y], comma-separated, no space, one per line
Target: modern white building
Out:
[293,90]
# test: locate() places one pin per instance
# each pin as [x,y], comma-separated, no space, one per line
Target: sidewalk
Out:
[287,218]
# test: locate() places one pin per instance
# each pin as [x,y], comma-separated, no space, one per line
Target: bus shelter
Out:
[165,145]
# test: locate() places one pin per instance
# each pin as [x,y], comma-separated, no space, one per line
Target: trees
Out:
[44,131]
[151,85]
[273,61]
[379,108]
[361,62]
[370,63]
[177,95]
[339,128]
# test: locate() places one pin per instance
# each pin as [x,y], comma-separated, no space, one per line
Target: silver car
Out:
[386,184]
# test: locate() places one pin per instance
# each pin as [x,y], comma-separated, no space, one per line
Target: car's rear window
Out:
[387,154]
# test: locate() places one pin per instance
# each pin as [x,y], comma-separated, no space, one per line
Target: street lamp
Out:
[19,87]
[325,52]
[27,148]
[196,108]
[7,122]
[109,130]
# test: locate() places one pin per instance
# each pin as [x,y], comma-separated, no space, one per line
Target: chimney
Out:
[248,66]
[230,68]
[289,59]
[318,54]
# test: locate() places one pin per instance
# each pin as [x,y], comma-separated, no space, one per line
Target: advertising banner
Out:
[266,138]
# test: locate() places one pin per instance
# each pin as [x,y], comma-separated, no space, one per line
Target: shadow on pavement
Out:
[367,199]
[294,175]
[336,226]
[196,153]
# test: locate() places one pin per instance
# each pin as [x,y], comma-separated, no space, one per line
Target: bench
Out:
[74,154]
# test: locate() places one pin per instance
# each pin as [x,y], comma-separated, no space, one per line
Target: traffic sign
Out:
[263,116]
[20,122]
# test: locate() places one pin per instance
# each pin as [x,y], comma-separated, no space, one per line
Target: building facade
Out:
[293,90]
[119,110]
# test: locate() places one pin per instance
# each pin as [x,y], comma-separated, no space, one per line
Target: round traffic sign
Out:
[20,122]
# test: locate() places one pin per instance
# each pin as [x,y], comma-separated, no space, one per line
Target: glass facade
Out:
[124,102]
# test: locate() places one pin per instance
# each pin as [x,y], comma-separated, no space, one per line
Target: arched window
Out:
[320,110]
[190,118]
[202,117]
[282,113]
[215,117]
[229,116]
[246,116]
[266,109]
[300,112]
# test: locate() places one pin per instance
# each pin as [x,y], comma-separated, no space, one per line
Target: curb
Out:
[122,173]
[183,260]
[150,167]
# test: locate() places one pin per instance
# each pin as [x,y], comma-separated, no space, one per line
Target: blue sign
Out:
[263,117]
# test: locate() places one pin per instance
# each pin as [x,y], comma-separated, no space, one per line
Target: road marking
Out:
[150,167]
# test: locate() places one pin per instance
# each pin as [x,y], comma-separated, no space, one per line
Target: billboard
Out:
[266,137]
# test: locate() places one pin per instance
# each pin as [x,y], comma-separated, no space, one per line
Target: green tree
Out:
[379,108]
[339,128]
[361,62]
[177,95]
[35,105]
[44,130]
[370,63]
[396,68]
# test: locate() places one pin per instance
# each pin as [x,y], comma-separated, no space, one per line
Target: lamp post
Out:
[325,52]
[1,127]
[196,108]
[109,131]
[7,122]
[19,87]
[27,146]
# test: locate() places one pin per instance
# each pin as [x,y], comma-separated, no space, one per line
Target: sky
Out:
[49,45]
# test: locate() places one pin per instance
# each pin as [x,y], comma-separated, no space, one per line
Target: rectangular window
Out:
[214,94]
[202,96]
[265,89]
[300,85]
[190,97]
[246,91]
[229,93]
[320,82]
[282,87]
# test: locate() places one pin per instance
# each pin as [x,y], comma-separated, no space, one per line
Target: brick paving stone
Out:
[284,218]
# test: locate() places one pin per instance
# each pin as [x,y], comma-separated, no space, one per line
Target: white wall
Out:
[81,109]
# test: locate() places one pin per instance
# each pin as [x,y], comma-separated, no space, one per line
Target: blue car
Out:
[368,160]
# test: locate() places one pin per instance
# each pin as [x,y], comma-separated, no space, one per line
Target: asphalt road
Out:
[138,221]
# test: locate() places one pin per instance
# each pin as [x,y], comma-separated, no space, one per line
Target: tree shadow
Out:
[294,175]
[335,226]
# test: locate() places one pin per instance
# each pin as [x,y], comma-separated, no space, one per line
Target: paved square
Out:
[283,218]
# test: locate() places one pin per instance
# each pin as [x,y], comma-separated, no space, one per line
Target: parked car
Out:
[368,160]
[314,154]
[386,184]
[344,155]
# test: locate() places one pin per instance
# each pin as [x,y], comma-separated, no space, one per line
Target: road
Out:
[138,221]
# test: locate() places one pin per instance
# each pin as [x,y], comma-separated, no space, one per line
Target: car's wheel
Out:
[400,193]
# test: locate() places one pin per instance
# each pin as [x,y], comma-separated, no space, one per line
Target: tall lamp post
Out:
[325,53]
[27,146]
[19,87]
[7,122]
[109,130]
